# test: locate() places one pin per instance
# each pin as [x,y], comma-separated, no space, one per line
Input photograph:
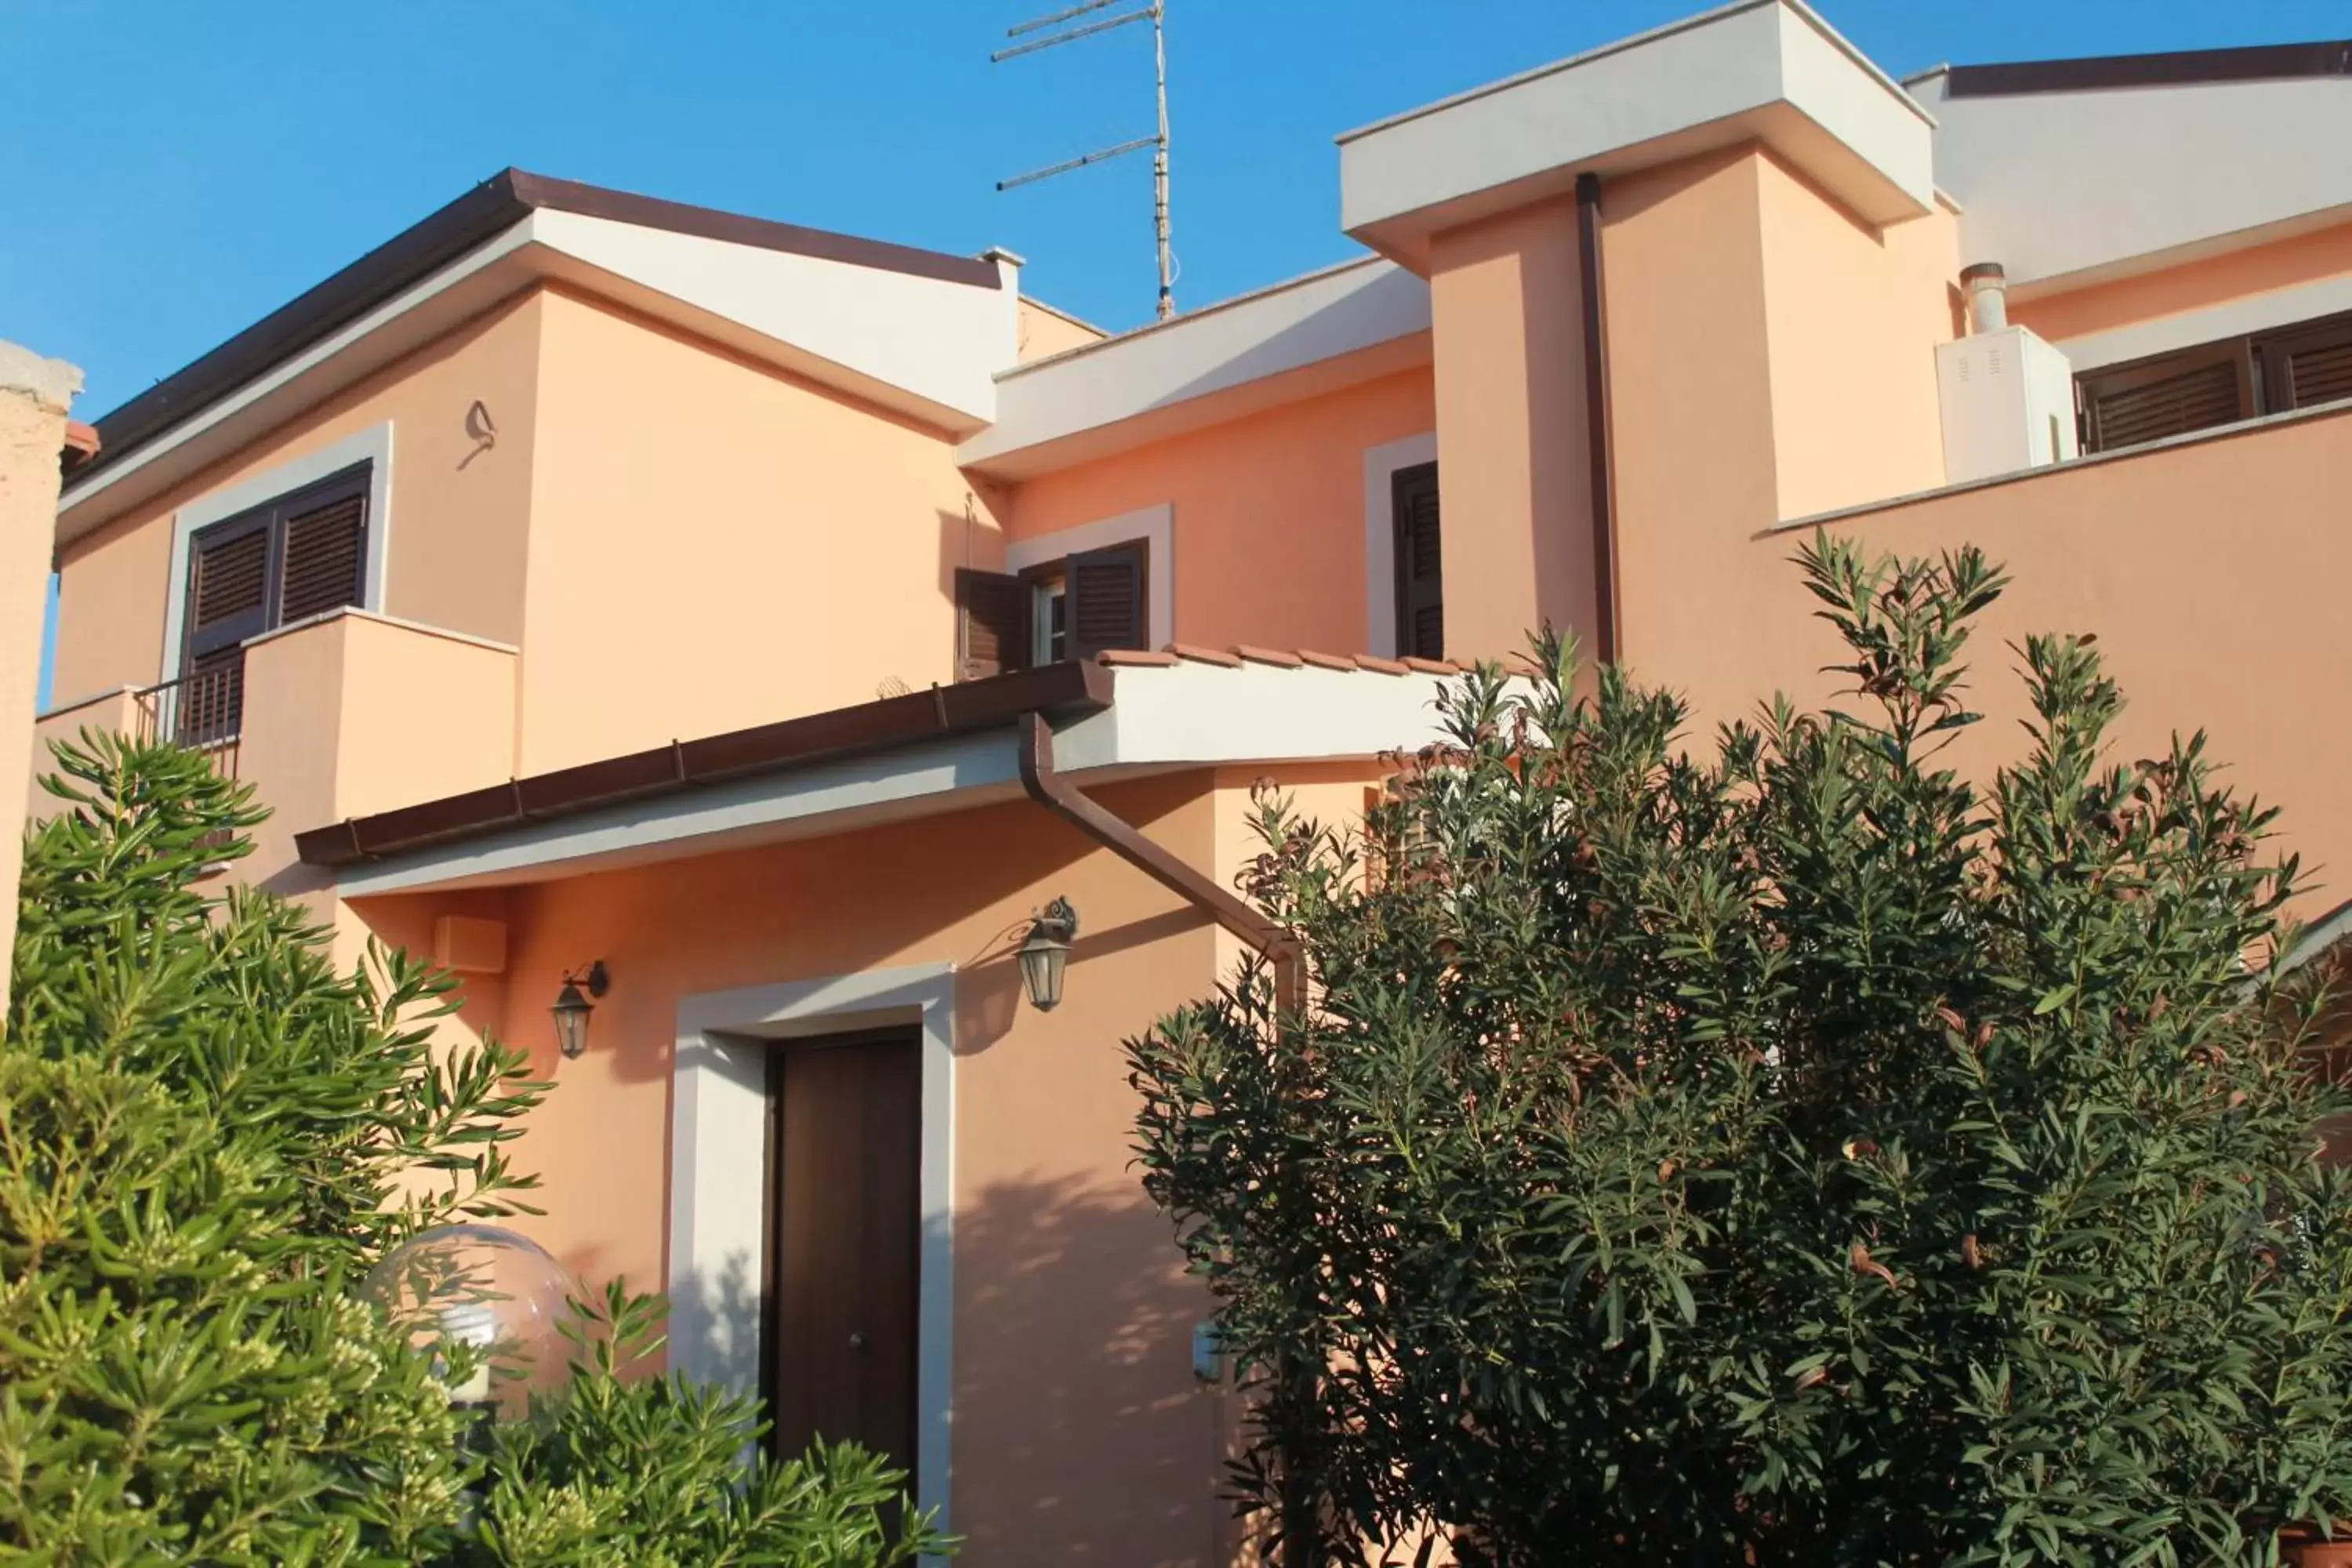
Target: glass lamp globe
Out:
[486,1287]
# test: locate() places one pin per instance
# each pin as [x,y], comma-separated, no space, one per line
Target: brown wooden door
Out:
[840,1330]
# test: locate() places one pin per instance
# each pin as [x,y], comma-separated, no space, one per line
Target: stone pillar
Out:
[34,393]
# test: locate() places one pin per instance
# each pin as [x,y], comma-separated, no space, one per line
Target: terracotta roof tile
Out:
[1203,654]
[1241,654]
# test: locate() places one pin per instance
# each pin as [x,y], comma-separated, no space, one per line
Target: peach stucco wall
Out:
[1690,392]
[2214,280]
[2170,556]
[716,545]
[1268,513]
[353,714]
[1514,454]
[1046,331]
[456,545]
[1079,1434]
[1853,313]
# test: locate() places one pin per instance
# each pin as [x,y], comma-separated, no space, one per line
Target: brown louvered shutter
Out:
[2307,368]
[325,555]
[228,585]
[1108,608]
[1420,564]
[991,624]
[2196,389]
[228,601]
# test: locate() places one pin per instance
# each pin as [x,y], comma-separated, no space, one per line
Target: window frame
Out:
[356,481]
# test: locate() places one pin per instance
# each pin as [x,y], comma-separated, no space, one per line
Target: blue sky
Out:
[209,161]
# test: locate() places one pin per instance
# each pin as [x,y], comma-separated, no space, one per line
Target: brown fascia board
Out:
[489,209]
[1069,690]
[2265,62]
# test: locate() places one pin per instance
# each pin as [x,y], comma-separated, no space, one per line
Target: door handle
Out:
[857,1341]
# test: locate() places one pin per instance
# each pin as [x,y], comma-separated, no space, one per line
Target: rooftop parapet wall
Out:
[1760,70]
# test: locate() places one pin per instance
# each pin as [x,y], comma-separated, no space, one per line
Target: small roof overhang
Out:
[1303,338]
[1758,70]
[948,749]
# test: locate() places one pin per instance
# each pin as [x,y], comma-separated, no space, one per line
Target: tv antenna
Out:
[1073,29]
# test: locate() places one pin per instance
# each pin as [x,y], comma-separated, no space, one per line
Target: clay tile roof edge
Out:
[1273,655]
[1134,655]
[1380,666]
[1203,654]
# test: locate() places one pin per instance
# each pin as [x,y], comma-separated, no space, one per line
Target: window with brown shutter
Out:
[2216,384]
[991,624]
[2194,389]
[1106,600]
[1071,608]
[2307,366]
[323,558]
[299,556]
[1420,563]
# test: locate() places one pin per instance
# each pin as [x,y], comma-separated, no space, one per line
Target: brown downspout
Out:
[1278,947]
[1606,634]
[1049,789]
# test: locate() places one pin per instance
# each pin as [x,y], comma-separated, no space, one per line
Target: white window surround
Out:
[719,1178]
[2236,318]
[1380,466]
[371,446]
[1154,524]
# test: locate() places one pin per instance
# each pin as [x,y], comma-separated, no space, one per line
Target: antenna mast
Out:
[1155,12]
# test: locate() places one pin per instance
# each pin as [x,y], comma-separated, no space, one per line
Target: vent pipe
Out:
[1988,289]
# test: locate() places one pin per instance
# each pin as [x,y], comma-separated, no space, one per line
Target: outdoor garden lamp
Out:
[572,1009]
[1045,954]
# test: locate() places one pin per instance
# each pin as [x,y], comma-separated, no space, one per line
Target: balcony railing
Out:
[202,710]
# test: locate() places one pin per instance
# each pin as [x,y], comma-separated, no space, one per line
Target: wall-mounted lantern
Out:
[572,1009]
[1045,954]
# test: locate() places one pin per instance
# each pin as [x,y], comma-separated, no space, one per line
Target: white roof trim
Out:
[80,500]
[1767,71]
[1092,399]
[922,347]
[1802,10]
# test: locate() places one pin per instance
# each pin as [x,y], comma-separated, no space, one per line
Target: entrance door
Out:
[839,1339]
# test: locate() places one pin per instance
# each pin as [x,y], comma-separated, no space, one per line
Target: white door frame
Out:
[719,1178]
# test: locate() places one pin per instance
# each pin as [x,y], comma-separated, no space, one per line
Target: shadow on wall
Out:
[723,1310]
[989,994]
[1081,1434]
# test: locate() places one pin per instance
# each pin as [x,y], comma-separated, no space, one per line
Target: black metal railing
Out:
[202,710]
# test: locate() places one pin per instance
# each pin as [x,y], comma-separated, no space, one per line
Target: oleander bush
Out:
[207,1133]
[1776,1148]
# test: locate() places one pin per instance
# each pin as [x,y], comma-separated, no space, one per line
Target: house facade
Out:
[759,626]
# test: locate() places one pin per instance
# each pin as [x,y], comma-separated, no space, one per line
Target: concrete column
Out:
[1514,470]
[34,393]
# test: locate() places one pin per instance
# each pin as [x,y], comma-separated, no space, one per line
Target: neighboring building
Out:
[585,577]
[37,443]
